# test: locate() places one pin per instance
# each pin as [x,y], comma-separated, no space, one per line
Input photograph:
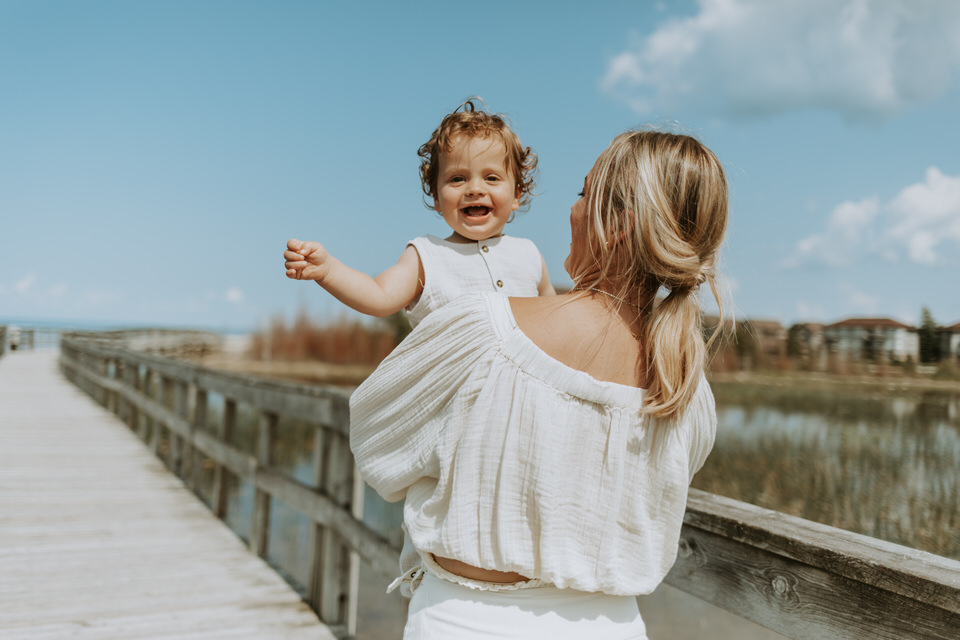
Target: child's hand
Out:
[306,261]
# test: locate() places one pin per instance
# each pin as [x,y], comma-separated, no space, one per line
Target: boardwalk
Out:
[98,540]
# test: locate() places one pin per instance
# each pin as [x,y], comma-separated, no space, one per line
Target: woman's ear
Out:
[628,229]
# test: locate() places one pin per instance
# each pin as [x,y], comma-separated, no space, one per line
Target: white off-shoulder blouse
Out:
[510,460]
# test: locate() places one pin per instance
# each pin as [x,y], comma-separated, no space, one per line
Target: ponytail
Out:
[666,194]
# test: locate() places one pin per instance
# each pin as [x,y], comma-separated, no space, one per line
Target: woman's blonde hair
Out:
[466,120]
[657,213]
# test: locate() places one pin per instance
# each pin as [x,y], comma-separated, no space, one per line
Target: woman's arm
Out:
[398,414]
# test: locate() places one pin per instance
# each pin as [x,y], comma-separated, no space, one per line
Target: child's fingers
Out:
[295,265]
[308,248]
[294,245]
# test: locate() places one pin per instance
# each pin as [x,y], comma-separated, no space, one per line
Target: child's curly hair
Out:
[466,120]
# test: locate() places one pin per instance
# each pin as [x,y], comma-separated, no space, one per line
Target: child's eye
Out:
[456,179]
[493,178]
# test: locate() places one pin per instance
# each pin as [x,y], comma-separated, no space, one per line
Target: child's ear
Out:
[516,198]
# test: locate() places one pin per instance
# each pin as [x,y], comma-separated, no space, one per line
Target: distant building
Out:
[805,344]
[950,343]
[870,339]
[805,339]
[771,338]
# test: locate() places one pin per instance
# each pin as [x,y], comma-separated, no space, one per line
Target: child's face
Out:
[476,193]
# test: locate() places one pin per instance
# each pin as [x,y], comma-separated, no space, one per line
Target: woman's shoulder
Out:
[555,343]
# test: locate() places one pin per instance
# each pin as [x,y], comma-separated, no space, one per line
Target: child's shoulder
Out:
[520,244]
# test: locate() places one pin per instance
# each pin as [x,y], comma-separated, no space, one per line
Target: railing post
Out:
[132,374]
[334,569]
[315,544]
[198,421]
[153,386]
[225,432]
[183,450]
[260,527]
[113,398]
[166,399]
[103,396]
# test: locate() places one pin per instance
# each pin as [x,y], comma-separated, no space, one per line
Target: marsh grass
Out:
[340,342]
[883,465]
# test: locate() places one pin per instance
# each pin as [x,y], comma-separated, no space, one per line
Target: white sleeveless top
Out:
[505,264]
[508,459]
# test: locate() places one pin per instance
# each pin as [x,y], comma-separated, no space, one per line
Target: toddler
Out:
[477,174]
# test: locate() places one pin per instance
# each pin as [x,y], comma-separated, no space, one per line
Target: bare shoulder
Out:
[544,314]
[581,334]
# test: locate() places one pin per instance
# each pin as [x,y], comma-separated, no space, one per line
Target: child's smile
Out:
[476,190]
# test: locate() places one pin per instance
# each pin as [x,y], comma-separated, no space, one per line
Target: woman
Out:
[544,446]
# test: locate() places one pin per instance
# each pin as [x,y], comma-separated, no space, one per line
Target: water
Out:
[878,462]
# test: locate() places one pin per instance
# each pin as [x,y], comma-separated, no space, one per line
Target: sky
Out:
[155,156]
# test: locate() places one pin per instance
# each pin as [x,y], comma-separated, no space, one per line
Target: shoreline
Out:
[819,381]
[235,360]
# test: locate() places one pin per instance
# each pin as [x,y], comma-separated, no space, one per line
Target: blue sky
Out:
[156,156]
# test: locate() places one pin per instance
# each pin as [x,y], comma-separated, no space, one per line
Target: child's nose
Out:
[476,186]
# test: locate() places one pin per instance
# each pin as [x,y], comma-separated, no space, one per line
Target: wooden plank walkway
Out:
[98,540]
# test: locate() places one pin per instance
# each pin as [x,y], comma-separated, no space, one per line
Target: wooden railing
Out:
[24,338]
[798,578]
[165,402]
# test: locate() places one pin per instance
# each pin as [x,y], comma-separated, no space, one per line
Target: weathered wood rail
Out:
[165,402]
[14,337]
[793,576]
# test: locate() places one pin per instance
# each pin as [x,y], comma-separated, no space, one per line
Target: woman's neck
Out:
[635,297]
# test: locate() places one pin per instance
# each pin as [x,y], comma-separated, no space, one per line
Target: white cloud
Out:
[847,229]
[234,294]
[748,58]
[925,214]
[920,222]
[24,284]
[58,289]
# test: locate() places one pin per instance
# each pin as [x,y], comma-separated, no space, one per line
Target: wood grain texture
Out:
[809,581]
[98,540]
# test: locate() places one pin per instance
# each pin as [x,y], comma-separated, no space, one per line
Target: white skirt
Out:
[442,610]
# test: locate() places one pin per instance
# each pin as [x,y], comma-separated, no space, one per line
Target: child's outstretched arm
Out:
[388,293]
[546,288]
